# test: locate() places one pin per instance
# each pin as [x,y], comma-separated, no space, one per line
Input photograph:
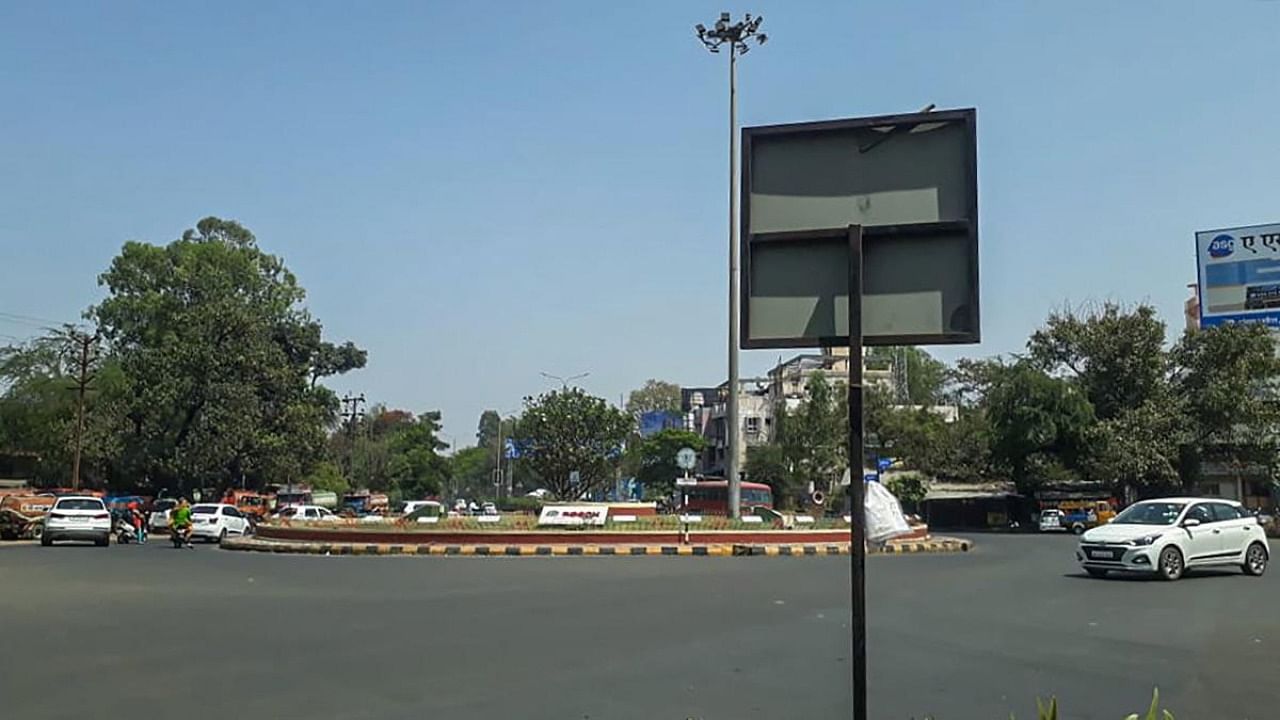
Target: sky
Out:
[478,193]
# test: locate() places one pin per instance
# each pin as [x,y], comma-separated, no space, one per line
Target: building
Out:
[706,410]
[1191,308]
[788,380]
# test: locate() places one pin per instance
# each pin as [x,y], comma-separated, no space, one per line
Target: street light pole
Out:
[564,381]
[736,35]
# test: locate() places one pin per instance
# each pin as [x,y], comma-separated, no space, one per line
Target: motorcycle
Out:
[180,538]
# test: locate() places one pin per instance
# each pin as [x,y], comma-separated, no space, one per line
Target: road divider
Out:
[934,545]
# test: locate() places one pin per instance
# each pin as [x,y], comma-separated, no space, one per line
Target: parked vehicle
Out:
[1079,516]
[160,509]
[1051,520]
[711,497]
[364,502]
[293,495]
[418,509]
[124,530]
[312,513]
[77,517]
[1168,536]
[325,499]
[22,516]
[489,509]
[252,504]
[214,522]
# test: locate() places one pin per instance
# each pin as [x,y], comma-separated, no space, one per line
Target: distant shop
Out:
[981,506]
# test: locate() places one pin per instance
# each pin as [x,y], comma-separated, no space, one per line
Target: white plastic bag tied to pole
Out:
[884,514]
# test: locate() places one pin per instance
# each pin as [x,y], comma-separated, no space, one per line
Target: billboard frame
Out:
[967,117]
[1216,319]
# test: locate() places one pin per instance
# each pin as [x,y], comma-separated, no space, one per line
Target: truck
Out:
[22,516]
[1080,515]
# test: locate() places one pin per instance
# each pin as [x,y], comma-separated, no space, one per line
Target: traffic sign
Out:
[686,459]
[686,481]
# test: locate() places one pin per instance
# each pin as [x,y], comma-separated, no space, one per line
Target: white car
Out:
[312,513]
[76,517]
[1171,535]
[214,522]
[1051,520]
[159,517]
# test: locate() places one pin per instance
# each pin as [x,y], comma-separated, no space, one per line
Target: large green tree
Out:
[656,457]
[220,359]
[815,436]
[1227,378]
[1039,425]
[568,431]
[654,395]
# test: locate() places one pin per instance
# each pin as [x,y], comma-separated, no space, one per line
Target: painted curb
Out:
[307,548]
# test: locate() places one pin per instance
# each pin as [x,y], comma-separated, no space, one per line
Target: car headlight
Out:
[1143,541]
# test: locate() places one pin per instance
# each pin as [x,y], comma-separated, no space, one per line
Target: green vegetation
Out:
[571,441]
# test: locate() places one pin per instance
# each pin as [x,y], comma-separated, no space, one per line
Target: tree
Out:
[568,431]
[1226,377]
[926,376]
[770,464]
[219,359]
[1038,425]
[327,476]
[1116,357]
[654,395]
[416,468]
[470,472]
[488,429]
[656,457]
[815,435]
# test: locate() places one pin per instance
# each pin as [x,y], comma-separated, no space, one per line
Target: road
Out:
[960,637]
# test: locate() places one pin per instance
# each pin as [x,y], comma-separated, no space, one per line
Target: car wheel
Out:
[222,536]
[1077,529]
[46,539]
[1255,560]
[1096,572]
[104,541]
[1171,564]
[37,532]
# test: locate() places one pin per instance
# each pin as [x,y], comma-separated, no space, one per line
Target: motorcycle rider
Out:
[139,522]
[180,521]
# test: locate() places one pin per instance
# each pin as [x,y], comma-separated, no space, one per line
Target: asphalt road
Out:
[85,632]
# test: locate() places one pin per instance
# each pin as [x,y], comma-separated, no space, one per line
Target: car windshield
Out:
[162,505]
[204,510]
[1151,513]
[79,504]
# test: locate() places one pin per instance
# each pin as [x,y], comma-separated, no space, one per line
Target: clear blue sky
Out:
[477,192]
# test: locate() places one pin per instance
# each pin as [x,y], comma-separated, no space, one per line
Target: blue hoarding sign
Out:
[1238,271]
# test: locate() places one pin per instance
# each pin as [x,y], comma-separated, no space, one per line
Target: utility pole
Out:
[351,413]
[84,344]
[736,36]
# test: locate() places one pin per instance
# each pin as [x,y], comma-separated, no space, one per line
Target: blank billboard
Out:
[909,181]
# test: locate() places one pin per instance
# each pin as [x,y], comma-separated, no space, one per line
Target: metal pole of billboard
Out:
[857,487]
[736,35]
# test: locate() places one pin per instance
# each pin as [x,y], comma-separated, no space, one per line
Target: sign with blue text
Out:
[1239,275]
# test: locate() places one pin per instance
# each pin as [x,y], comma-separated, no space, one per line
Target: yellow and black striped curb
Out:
[307,548]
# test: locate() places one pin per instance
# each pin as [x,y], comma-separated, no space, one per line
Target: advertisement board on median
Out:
[1239,275]
[573,515]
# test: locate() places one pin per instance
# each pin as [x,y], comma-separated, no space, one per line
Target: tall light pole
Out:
[735,35]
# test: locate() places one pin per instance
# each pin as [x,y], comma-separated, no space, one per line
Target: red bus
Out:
[711,497]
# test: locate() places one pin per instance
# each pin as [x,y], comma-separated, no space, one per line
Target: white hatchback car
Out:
[214,522]
[76,517]
[1170,535]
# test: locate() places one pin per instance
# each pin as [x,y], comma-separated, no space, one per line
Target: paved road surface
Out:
[86,631]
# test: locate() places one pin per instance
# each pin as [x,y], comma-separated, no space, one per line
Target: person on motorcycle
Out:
[180,521]
[139,522]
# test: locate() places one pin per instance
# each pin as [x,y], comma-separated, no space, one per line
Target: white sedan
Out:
[312,513]
[75,517]
[1170,535]
[217,521]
